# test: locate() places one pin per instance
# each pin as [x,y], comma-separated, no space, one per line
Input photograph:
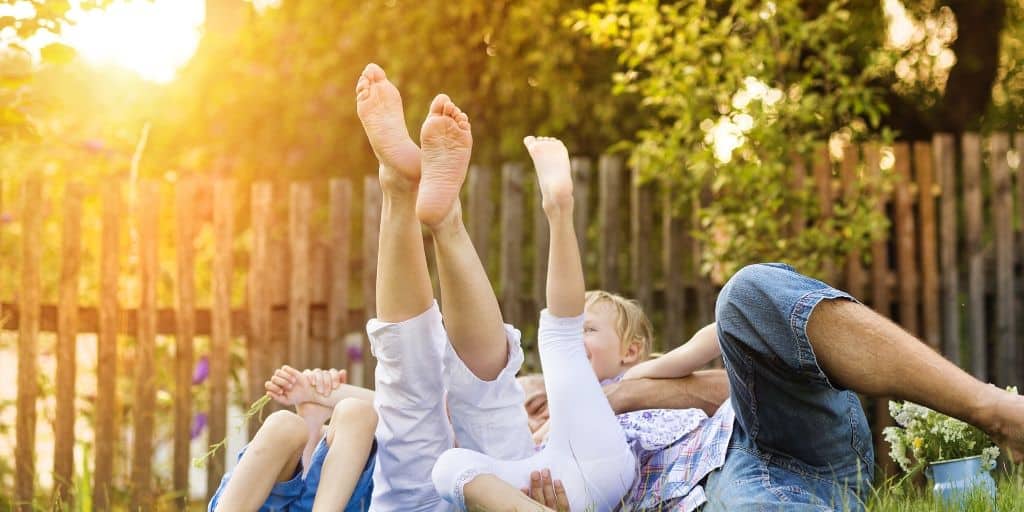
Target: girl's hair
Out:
[631,323]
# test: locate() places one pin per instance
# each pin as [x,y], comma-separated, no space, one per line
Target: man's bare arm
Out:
[705,390]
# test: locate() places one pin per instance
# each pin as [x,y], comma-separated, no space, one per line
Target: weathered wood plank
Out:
[220,339]
[511,264]
[641,228]
[931,324]
[582,176]
[144,403]
[185,206]
[822,169]
[1006,368]
[856,279]
[28,345]
[675,256]
[299,212]
[610,176]
[372,202]
[258,358]
[340,259]
[106,351]
[481,210]
[906,257]
[67,349]
[973,215]
[943,156]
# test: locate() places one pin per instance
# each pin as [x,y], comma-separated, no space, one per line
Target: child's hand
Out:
[640,371]
[323,382]
[291,387]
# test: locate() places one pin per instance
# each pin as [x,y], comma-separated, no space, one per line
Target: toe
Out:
[437,106]
[373,72]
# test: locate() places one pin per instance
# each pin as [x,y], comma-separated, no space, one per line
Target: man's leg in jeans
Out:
[484,399]
[800,440]
[407,336]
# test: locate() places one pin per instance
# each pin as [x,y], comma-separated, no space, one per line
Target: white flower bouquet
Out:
[923,436]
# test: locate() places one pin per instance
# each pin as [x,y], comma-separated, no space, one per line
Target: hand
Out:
[547,492]
[325,381]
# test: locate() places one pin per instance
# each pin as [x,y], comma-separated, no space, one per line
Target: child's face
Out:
[604,347]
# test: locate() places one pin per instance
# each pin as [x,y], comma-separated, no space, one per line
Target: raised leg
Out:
[407,336]
[484,399]
[586,448]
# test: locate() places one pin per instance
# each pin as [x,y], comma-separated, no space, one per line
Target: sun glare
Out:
[151,37]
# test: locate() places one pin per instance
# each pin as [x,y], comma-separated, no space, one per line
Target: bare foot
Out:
[1008,427]
[379,106]
[446,143]
[553,171]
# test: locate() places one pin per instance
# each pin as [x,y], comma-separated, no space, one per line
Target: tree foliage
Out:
[733,93]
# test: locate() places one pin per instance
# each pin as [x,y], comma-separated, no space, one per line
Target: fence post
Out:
[106,351]
[28,346]
[581,184]
[220,325]
[975,255]
[945,159]
[144,404]
[931,324]
[823,186]
[67,350]
[851,190]
[675,255]
[641,226]
[905,254]
[372,203]
[481,210]
[1007,371]
[340,259]
[610,200]
[511,257]
[298,303]
[258,342]
[185,192]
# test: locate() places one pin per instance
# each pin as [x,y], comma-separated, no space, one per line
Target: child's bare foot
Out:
[379,106]
[446,143]
[553,171]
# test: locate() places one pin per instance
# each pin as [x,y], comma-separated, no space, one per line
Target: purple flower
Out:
[202,371]
[198,424]
[355,353]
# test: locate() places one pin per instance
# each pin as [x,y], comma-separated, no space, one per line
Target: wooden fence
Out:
[948,272]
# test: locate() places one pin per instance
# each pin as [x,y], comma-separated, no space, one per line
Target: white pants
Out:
[586,447]
[416,364]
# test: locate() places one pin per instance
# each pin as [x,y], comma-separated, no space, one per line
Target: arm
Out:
[682,361]
[704,390]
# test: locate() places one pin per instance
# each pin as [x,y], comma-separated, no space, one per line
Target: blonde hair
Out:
[631,323]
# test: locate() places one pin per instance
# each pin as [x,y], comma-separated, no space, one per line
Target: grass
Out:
[906,497]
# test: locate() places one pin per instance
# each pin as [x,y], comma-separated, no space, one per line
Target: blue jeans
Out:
[799,442]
